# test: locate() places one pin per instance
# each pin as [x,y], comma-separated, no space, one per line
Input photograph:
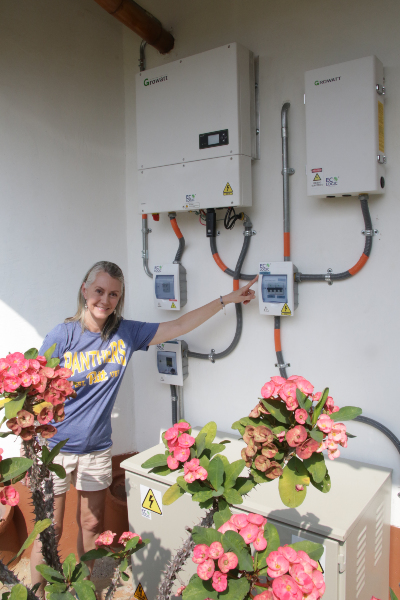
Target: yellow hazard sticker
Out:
[317,177]
[140,594]
[228,191]
[381,125]
[173,305]
[286,312]
[150,503]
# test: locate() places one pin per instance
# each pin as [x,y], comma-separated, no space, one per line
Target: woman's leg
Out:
[90,517]
[36,556]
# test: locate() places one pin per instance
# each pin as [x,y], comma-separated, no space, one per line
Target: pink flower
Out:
[172,462]
[180,590]
[306,449]
[228,561]
[260,543]
[186,440]
[296,436]
[299,488]
[201,473]
[281,436]
[288,389]
[239,521]
[26,379]
[181,454]
[332,454]
[265,595]
[183,426]
[277,564]
[189,477]
[14,358]
[256,519]
[9,495]
[41,359]
[219,581]
[46,431]
[249,533]
[285,588]
[128,535]
[303,580]
[289,553]
[35,377]
[1,452]
[291,403]
[228,526]
[216,550]
[206,569]
[172,445]
[318,581]
[171,435]
[41,385]
[325,423]
[278,380]
[268,389]
[191,465]
[200,553]
[303,556]
[3,364]
[301,415]
[13,425]
[34,364]
[45,416]
[27,433]
[304,386]
[63,372]
[53,397]
[11,383]
[25,418]
[105,539]
[58,412]
[47,372]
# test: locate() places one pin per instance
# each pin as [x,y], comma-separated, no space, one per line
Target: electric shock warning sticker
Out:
[151,501]
[286,312]
[140,593]
[228,191]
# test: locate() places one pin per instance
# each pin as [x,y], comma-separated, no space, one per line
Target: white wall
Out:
[62,165]
[344,336]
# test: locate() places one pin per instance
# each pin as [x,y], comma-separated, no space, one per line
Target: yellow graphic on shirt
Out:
[97,377]
[79,362]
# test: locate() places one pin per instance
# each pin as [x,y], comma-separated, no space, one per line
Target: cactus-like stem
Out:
[181,556]
[8,578]
[42,489]
[114,582]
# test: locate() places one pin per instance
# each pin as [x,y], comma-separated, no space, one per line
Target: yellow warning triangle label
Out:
[228,191]
[173,305]
[317,178]
[151,503]
[139,594]
[286,310]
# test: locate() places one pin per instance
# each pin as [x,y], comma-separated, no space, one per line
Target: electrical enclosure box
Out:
[345,129]
[172,362]
[277,290]
[352,521]
[196,131]
[170,287]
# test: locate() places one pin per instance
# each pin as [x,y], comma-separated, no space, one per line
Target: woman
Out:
[96,344]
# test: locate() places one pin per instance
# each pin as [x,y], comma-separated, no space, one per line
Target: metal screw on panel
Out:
[231,202]
[231,157]
[219,233]
[257,131]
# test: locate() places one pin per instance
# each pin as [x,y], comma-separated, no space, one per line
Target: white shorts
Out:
[88,472]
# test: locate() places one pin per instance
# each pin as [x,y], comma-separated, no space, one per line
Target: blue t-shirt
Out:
[98,367]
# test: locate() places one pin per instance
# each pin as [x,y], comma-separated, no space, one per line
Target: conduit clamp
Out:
[381,90]
[328,276]
[211,355]
[282,366]
[288,171]
[369,232]
[249,232]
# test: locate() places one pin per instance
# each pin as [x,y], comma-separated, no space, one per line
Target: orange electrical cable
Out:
[286,245]
[175,227]
[277,338]
[144,216]
[358,266]
[235,284]
[219,262]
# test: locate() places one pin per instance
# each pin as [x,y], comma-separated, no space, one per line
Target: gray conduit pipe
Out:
[174,404]
[145,247]
[248,226]
[389,434]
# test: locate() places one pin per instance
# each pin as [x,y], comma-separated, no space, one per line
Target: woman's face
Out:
[101,297]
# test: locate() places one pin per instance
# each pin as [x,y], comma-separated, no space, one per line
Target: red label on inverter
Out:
[316,170]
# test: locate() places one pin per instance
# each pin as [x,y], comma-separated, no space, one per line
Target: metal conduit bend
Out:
[389,434]
[248,226]
[145,247]
[364,257]
[278,348]
[178,233]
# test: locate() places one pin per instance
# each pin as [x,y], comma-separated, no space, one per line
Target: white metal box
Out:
[196,131]
[172,362]
[345,129]
[170,286]
[352,521]
[277,290]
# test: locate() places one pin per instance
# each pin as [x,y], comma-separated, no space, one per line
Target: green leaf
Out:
[200,443]
[314,551]
[203,495]
[216,472]
[130,544]
[95,554]
[277,410]
[232,472]
[84,589]
[237,589]
[14,406]
[244,485]
[57,588]
[210,429]
[69,566]
[5,595]
[163,471]
[49,353]
[190,488]
[35,587]
[12,467]
[350,435]
[205,535]
[278,429]
[300,398]
[223,515]
[124,564]
[56,450]
[320,406]
[392,595]
[81,570]
[215,448]
[233,542]
[308,404]
[316,435]
[316,466]
[4,434]
[325,484]
[53,362]
[31,353]
[159,460]
[346,413]
[233,497]
[124,576]
[237,425]
[172,494]
[197,589]
[18,592]
[207,504]
[58,470]
[60,595]
[38,528]
[251,421]
[50,574]
[204,462]
[293,474]
[45,454]
[272,536]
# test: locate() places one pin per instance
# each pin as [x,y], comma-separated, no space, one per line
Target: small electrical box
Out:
[277,290]
[345,129]
[170,288]
[172,362]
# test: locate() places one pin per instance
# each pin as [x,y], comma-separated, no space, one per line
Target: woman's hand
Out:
[243,294]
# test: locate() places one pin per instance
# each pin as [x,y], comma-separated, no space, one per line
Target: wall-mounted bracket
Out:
[211,355]
[369,232]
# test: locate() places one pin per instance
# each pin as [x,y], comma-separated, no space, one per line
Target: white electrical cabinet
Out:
[345,129]
[277,289]
[352,521]
[170,286]
[172,362]
[196,131]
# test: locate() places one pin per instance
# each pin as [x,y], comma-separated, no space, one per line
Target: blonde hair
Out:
[112,323]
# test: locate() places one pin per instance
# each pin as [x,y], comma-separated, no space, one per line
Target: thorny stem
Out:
[8,578]
[114,582]
[181,556]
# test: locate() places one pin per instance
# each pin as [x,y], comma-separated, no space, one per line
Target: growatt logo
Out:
[147,81]
[326,81]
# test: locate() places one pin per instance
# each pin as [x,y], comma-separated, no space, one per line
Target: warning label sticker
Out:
[286,312]
[151,501]
[316,170]
[228,191]
[140,594]
[173,305]
[317,178]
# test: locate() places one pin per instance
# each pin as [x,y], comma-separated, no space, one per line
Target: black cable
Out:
[231,217]
[389,434]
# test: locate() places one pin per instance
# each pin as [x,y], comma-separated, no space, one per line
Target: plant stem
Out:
[9,579]
[114,582]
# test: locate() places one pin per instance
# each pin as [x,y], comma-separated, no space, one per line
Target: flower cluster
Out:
[179,444]
[9,495]
[260,450]
[106,538]
[46,389]
[295,576]
[250,527]
[211,558]
[336,436]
